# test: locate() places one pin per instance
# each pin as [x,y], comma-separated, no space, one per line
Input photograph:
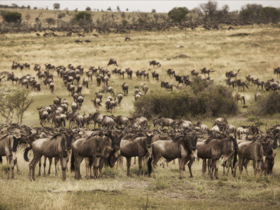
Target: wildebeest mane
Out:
[177,138]
[4,137]
[56,135]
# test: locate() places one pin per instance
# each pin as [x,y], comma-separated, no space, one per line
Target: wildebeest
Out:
[58,145]
[256,151]
[112,61]
[241,98]
[125,88]
[206,71]
[136,146]
[8,148]
[96,118]
[145,88]
[155,75]
[162,122]
[99,147]
[182,147]
[155,63]
[212,149]
[166,85]
[119,96]
[242,84]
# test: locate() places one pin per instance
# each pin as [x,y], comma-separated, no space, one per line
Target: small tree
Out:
[153,11]
[12,17]
[88,9]
[118,8]
[50,21]
[209,8]
[109,9]
[83,16]
[56,6]
[178,14]
[13,104]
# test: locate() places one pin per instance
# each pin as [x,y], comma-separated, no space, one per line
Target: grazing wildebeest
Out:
[183,124]
[125,88]
[206,71]
[257,95]
[107,122]
[129,73]
[194,72]
[136,147]
[212,149]
[96,118]
[121,120]
[155,63]
[231,82]
[120,97]
[85,82]
[242,84]
[112,61]
[155,75]
[170,72]
[166,85]
[277,71]
[145,88]
[127,39]
[58,146]
[249,78]
[8,148]
[162,122]
[247,130]
[258,82]
[230,74]
[99,147]
[241,98]
[182,147]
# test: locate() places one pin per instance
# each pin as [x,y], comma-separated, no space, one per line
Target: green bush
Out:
[267,104]
[202,100]
[12,17]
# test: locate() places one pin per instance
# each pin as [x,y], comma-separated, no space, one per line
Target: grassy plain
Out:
[256,54]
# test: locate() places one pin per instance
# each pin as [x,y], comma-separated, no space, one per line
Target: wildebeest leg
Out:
[240,165]
[210,168]
[8,158]
[33,163]
[181,166]
[128,162]
[87,167]
[63,162]
[40,163]
[203,166]
[101,164]
[215,164]
[245,164]
[55,165]
[135,160]
[96,166]
[190,166]
[140,165]
[50,164]
[44,164]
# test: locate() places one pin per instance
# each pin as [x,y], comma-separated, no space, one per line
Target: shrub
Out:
[202,100]
[12,17]
[267,104]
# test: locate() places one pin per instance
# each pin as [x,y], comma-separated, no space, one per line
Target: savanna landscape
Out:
[252,48]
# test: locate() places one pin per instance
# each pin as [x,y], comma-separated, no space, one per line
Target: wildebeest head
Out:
[115,137]
[266,146]
[67,140]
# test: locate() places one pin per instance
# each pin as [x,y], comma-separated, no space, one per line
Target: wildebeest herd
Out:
[122,136]
[184,140]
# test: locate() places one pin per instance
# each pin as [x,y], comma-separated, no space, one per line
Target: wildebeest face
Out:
[265,143]
[69,137]
[193,142]
[149,137]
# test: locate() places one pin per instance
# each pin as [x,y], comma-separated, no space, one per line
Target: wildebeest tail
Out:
[25,154]
[235,152]
[0,159]
[150,166]
[72,162]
